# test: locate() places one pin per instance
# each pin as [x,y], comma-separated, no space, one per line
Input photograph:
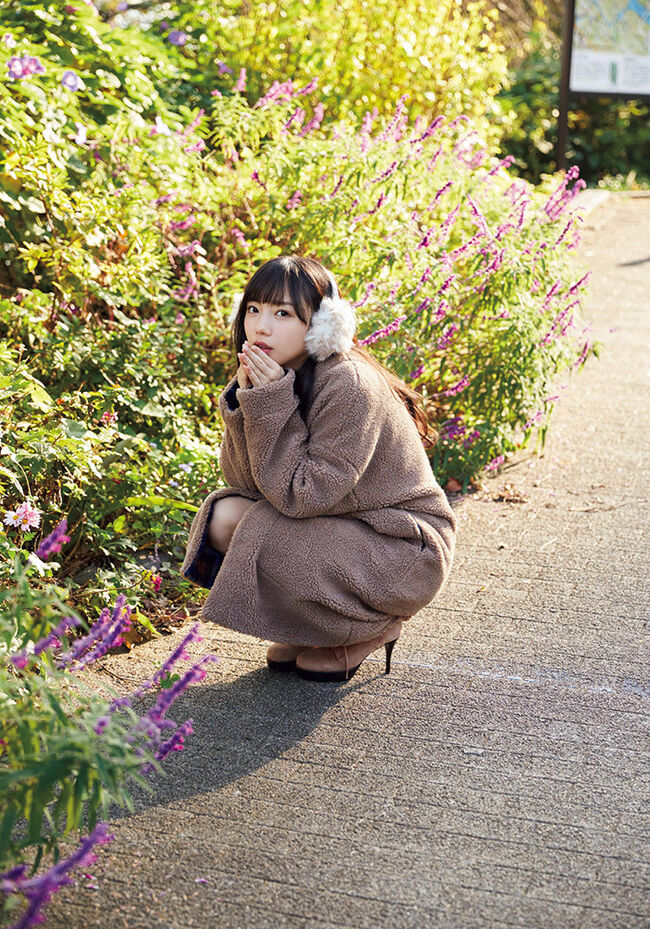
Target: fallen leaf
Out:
[453,486]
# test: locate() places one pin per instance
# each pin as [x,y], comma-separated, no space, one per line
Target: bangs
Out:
[276,280]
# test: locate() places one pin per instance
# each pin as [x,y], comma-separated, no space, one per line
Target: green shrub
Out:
[606,136]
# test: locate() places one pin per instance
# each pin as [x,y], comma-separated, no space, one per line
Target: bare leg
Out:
[226,514]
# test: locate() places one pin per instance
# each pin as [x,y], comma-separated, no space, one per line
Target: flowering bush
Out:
[141,186]
[66,753]
[131,219]
[449,56]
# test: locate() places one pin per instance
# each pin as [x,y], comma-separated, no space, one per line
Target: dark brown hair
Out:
[306,282]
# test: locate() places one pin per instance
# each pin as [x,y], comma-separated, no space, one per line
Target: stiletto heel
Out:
[389,651]
[337,655]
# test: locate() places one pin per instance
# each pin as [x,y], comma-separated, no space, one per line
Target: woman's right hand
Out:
[242,377]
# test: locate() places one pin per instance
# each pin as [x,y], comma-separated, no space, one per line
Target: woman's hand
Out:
[260,368]
[242,377]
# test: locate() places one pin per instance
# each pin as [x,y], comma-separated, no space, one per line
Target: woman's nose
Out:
[263,325]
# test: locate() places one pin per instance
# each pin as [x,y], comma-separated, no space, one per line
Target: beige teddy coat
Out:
[350,529]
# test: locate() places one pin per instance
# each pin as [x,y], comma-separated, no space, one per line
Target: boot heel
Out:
[389,651]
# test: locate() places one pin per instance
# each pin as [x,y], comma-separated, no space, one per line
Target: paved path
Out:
[497,776]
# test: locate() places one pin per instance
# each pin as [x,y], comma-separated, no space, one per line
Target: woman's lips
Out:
[264,348]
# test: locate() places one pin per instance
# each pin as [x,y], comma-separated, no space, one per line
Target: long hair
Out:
[306,282]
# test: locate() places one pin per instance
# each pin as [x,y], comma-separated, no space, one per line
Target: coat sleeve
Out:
[234,460]
[310,472]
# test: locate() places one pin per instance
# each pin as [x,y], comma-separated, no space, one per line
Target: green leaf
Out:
[145,621]
[39,395]
[154,500]
[73,429]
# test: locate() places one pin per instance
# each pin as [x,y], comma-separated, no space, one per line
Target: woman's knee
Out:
[226,515]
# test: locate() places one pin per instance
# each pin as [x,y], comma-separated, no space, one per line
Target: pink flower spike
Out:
[494,464]
[294,200]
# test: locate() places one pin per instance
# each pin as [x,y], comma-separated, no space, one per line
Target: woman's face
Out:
[278,326]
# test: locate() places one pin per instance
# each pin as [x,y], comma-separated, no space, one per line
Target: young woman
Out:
[333,530]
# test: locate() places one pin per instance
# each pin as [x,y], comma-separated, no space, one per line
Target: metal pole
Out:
[567,40]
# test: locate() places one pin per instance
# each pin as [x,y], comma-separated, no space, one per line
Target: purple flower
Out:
[241,81]
[456,388]
[440,193]
[197,147]
[453,428]
[494,464]
[54,541]
[369,289]
[447,336]
[579,283]
[175,743]
[16,68]
[32,66]
[223,68]
[297,116]
[381,333]
[38,890]
[277,93]
[308,88]
[387,173]
[104,634]
[183,223]
[188,248]
[294,200]
[177,37]
[70,80]
[316,119]
[239,237]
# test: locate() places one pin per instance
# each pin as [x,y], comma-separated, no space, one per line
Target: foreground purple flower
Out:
[54,541]
[39,890]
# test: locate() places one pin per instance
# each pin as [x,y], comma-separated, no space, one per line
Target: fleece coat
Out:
[349,529]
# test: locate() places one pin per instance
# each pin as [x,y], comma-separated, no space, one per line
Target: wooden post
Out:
[567,41]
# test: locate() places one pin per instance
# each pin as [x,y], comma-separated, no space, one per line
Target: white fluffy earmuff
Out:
[332,325]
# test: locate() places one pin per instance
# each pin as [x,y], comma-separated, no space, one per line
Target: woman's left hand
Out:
[260,368]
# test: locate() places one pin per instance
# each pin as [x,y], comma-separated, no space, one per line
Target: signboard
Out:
[610,47]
